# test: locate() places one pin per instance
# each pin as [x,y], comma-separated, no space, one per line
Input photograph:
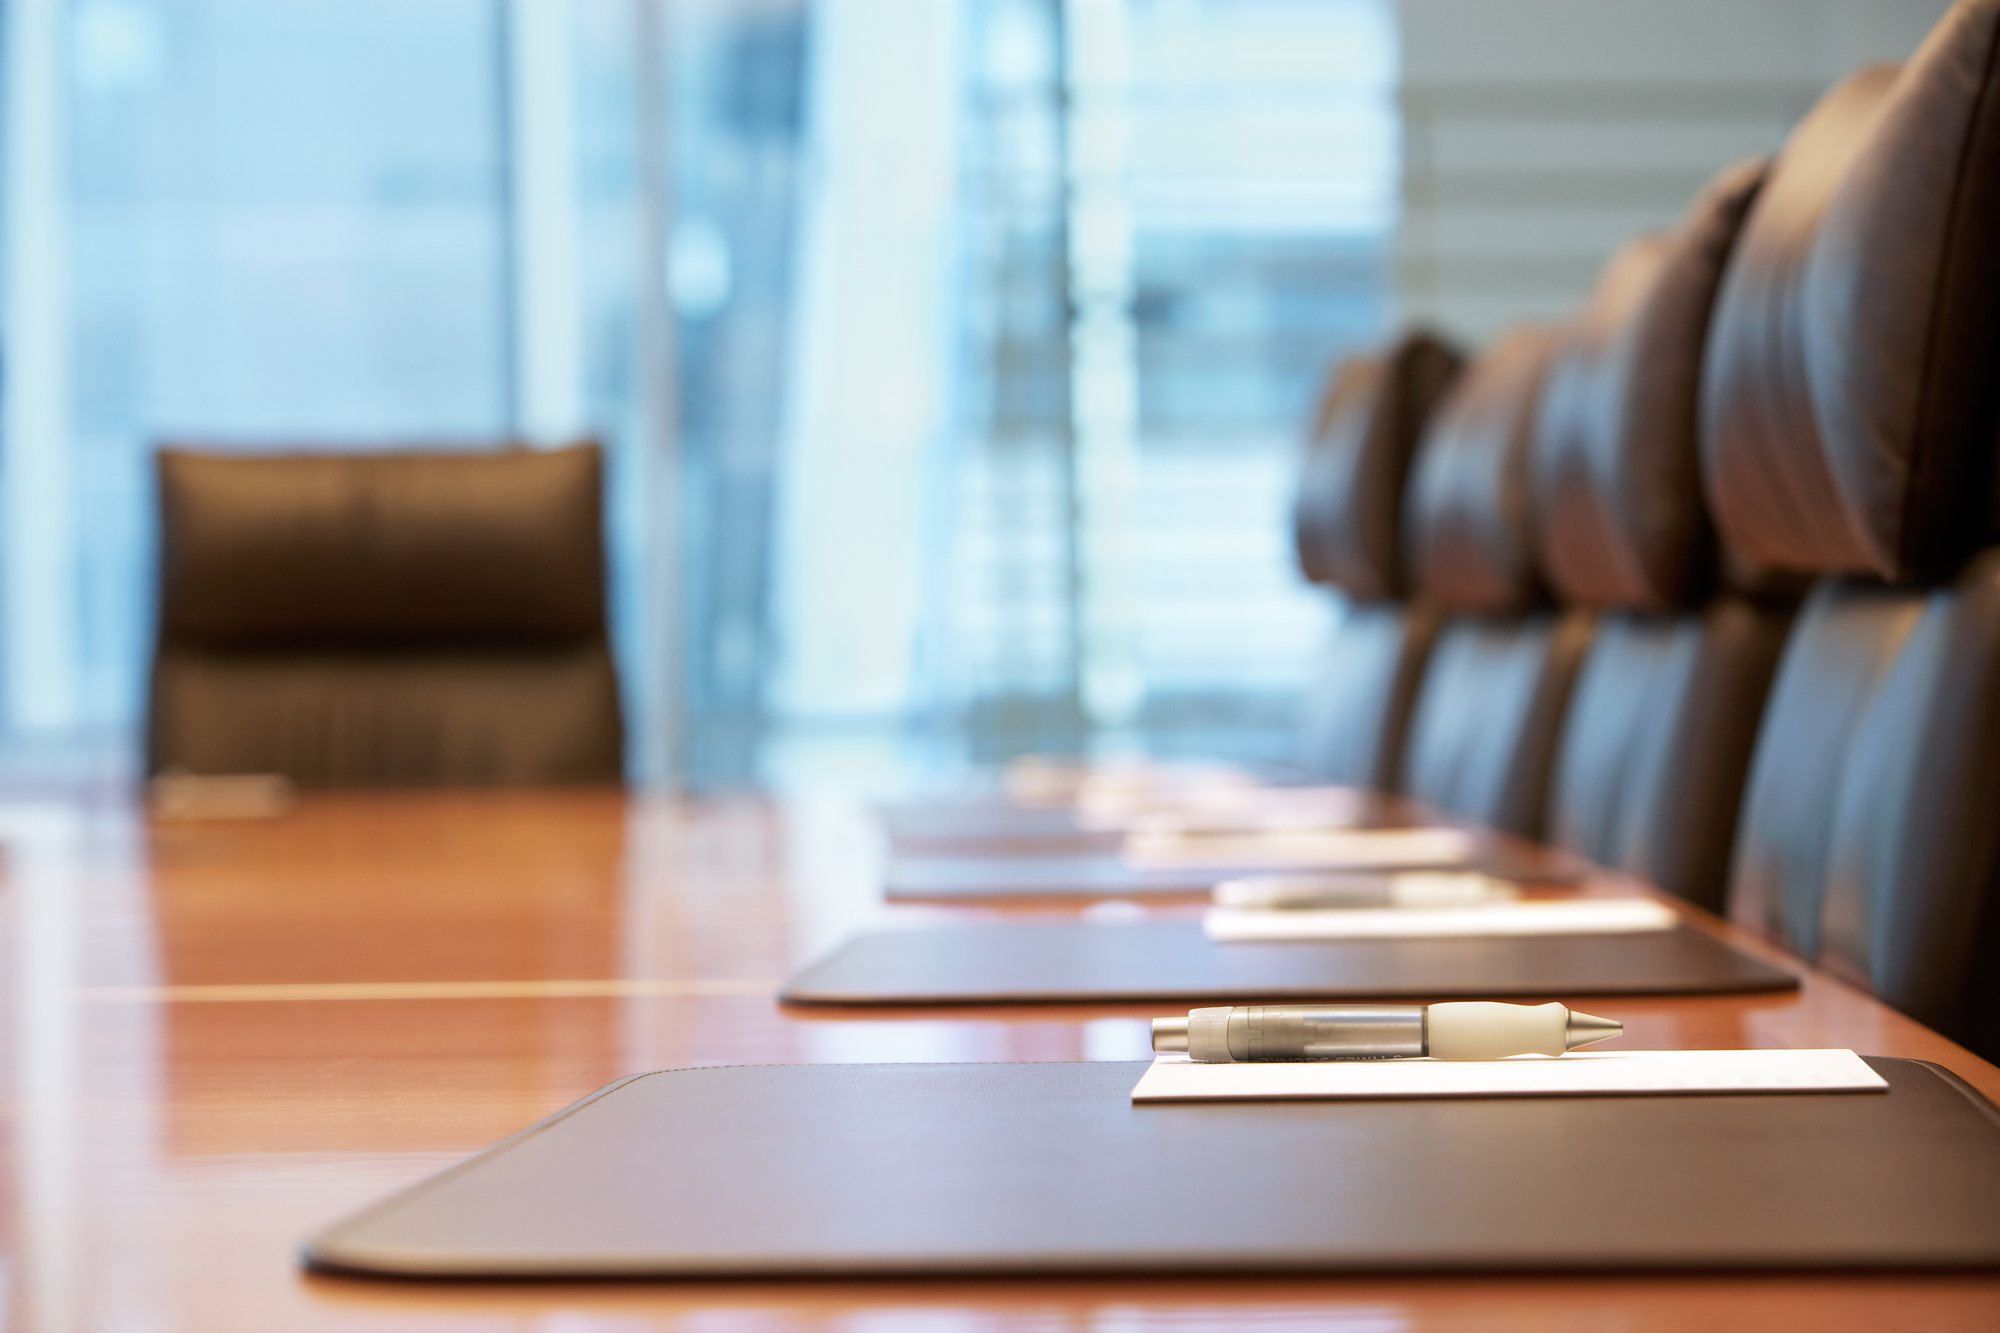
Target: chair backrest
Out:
[1659,731]
[1851,414]
[1347,522]
[1617,475]
[1358,711]
[1468,520]
[1347,515]
[1850,400]
[1848,636]
[1491,705]
[384,619]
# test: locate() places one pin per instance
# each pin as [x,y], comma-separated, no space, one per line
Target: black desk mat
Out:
[1082,873]
[1080,962]
[984,824]
[989,814]
[804,1170]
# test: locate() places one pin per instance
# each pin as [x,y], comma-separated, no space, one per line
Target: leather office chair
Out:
[1346,523]
[1851,411]
[1490,709]
[406,619]
[1660,728]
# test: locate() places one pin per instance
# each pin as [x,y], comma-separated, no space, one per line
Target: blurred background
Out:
[953,355]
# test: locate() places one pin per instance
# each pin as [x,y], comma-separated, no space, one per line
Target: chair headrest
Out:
[1618,486]
[1468,526]
[1347,517]
[1851,401]
[353,550]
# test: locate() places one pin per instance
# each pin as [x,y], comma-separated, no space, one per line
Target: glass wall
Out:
[1177,216]
[952,357]
[286,228]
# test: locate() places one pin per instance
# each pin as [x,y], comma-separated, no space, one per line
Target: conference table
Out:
[223,1034]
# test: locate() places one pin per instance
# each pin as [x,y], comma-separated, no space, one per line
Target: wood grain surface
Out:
[222,1035]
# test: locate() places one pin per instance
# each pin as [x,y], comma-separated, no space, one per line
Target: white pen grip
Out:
[1487,1030]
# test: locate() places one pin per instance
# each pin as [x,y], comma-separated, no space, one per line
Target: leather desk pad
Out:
[1082,874]
[945,825]
[1079,872]
[1172,962]
[777,1170]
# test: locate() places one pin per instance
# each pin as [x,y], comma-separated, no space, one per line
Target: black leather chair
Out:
[1346,523]
[1491,706]
[397,619]
[1660,729]
[1851,411]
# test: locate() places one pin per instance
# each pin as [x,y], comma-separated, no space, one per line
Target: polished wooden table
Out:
[222,1035]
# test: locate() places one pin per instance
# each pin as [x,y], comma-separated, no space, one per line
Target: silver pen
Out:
[1461,1030]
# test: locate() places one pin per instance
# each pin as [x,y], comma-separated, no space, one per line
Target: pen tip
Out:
[1583,1029]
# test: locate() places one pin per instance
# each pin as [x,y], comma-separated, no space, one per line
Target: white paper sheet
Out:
[1579,916]
[1321,849]
[1175,1078]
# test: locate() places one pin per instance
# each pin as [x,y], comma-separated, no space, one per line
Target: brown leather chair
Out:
[1660,729]
[1347,526]
[397,619]
[1851,411]
[1491,706]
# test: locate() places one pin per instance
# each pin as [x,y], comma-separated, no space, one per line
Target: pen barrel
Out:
[1458,1030]
[1325,1031]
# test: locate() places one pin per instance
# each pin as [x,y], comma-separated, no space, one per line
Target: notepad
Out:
[1324,849]
[1583,916]
[1175,1078]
